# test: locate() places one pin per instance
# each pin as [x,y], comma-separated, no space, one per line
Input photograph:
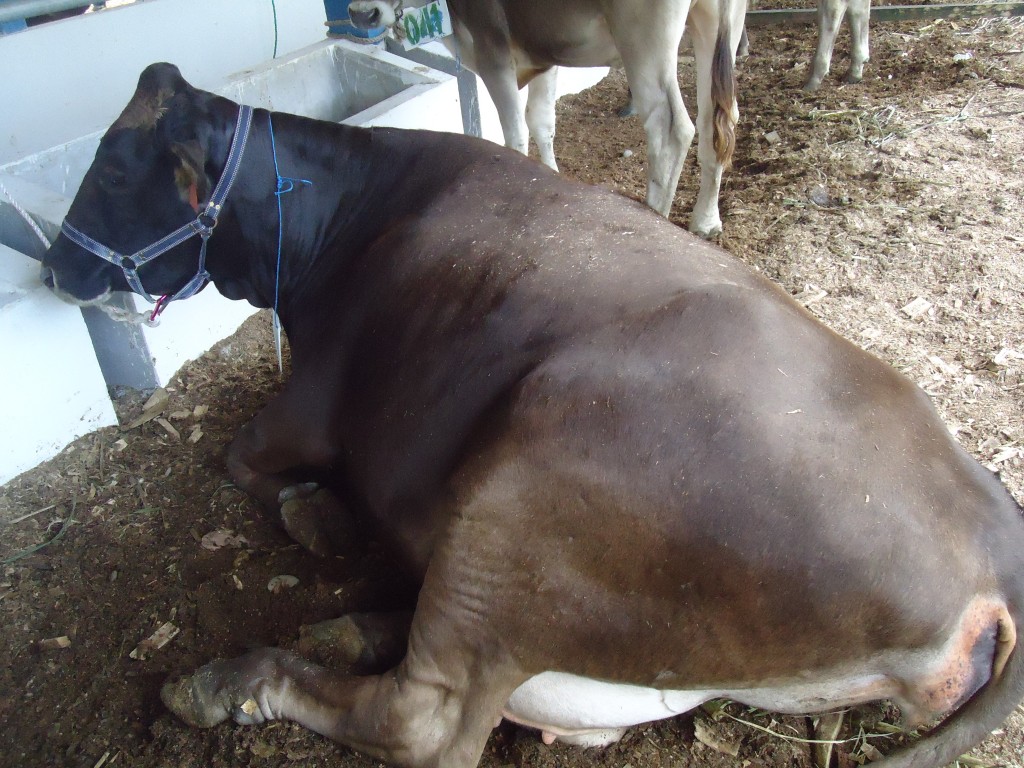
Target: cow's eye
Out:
[113,179]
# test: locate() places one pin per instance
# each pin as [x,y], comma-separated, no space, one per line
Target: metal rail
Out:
[891,13]
[11,10]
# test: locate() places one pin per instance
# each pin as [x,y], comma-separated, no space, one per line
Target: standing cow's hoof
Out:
[706,229]
[812,85]
[318,521]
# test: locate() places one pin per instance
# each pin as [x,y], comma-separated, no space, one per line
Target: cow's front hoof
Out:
[297,491]
[319,522]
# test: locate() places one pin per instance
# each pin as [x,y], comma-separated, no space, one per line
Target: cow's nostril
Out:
[375,17]
[46,276]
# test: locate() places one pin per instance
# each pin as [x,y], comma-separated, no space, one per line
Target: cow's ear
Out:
[158,83]
[190,174]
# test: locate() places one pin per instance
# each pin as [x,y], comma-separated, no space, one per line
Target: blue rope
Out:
[273,6]
[284,184]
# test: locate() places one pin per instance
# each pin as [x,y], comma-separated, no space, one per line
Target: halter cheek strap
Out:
[202,225]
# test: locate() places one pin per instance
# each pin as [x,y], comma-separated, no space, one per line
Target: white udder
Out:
[593,713]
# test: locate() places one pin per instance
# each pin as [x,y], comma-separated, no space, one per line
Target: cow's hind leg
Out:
[715,39]
[405,717]
[859,13]
[436,708]
[650,57]
[540,114]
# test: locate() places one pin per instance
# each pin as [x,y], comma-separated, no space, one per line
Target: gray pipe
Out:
[26,9]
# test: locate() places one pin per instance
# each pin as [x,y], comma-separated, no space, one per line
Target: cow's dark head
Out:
[151,175]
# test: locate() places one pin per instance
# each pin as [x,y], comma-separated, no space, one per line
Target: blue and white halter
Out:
[202,226]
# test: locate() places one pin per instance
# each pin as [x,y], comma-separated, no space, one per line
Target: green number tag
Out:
[422,25]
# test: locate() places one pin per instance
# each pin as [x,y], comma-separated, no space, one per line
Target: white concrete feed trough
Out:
[332,80]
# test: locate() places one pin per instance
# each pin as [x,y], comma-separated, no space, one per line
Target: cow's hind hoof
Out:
[224,689]
[370,642]
[193,701]
[707,230]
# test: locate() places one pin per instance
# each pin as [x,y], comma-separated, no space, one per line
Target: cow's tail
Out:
[986,710]
[723,91]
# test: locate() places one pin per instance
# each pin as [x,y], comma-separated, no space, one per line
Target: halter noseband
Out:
[202,225]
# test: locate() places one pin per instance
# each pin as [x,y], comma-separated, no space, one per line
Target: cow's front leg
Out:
[272,458]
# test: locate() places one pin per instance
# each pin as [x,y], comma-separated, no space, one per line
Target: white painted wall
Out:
[52,388]
[69,78]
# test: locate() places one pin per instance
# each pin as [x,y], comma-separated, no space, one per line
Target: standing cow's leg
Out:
[502,88]
[540,114]
[716,29]
[436,708]
[650,57]
[743,48]
[830,16]
[859,13]
[488,54]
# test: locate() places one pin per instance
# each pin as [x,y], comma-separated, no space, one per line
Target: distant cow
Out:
[510,43]
[830,16]
[631,474]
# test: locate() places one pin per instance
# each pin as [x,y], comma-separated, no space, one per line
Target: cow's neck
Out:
[359,183]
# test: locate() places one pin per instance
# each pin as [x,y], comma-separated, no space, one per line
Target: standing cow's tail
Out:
[983,712]
[723,91]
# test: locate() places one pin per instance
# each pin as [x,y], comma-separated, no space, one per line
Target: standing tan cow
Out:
[511,43]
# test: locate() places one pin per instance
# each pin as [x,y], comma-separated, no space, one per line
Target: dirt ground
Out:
[892,209]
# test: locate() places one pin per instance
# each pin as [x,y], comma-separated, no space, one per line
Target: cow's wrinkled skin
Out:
[629,473]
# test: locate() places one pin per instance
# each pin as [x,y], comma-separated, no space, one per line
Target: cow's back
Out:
[749,467]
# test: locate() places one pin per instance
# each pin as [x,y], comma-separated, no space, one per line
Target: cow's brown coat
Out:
[605,446]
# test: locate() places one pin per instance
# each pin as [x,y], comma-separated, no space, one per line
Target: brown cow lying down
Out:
[631,474]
